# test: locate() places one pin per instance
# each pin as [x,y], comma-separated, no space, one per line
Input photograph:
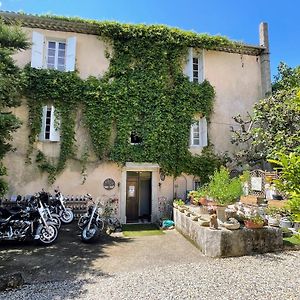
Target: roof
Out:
[80,26]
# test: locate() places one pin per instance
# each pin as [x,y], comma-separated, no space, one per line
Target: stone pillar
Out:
[265,60]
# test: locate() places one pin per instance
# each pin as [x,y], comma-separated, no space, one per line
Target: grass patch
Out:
[141,230]
[293,240]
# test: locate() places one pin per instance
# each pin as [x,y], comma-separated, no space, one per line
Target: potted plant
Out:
[193,197]
[224,190]
[179,203]
[254,222]
[273,216]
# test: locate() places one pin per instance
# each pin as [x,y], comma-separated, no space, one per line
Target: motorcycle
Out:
[42,199]
[91,224]
[26,224]
[102,218]
[58,207]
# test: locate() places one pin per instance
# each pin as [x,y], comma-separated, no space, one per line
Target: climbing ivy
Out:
[64,91]
[143,91]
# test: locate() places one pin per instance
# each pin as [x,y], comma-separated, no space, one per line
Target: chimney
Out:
[265,60]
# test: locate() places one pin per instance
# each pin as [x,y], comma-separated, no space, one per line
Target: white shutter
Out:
[203,132]
[54,132]
[71,54]
[42,133]
[188,70]
[37,50]
[201,67]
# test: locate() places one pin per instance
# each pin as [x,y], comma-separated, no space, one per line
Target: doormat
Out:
[132,230]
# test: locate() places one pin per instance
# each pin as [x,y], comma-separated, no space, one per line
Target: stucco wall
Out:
[90,51]
[237,82]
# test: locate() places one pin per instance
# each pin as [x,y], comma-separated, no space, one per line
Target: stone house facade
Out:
[240,78]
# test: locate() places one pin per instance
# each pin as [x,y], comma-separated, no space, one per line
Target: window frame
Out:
[50,126]
[56,57]
[202,142]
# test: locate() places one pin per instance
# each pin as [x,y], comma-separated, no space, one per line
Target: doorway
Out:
[138,197]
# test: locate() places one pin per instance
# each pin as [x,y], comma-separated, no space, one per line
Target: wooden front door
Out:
[132,197]
[138,197]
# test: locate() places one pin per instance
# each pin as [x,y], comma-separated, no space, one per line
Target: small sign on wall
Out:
[131,191]
[109,184]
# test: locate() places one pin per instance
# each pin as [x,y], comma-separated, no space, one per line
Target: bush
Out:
[223,189]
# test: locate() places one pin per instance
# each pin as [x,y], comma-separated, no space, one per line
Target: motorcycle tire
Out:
[66,216]
[47,236]
[92,235]
[55,219]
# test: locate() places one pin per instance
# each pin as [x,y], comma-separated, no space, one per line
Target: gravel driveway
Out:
[152,267]
[268,276]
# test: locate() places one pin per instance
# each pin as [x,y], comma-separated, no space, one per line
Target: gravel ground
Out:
[267,276]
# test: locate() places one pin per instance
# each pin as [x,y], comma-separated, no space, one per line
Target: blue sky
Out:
[236,19]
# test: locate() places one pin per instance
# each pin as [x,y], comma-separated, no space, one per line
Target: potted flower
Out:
[224,190]
[254,222]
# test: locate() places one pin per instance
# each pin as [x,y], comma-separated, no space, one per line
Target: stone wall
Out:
[226,243]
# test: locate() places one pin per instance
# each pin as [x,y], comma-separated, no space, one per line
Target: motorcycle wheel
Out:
[55,219]
[48,236]
[67,216]
[90,236]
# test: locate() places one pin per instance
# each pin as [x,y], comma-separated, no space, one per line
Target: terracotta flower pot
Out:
[251,225]
[203,201]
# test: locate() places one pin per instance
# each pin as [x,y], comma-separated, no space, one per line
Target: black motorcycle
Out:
[26,224]
[91,224]
[57,206]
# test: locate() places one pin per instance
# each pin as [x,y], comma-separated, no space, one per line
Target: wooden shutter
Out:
[188,70]
[37,50]
[203,132]
[54,131]
[42,132]
[71,54]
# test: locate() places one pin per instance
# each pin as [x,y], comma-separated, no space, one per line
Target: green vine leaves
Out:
[143,91]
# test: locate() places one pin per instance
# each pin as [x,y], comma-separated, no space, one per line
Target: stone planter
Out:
[272,221]
[285,223]
[181,209]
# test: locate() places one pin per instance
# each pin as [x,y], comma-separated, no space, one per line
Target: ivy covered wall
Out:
[143,91]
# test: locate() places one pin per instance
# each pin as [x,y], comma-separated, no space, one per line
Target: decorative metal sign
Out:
[109,184]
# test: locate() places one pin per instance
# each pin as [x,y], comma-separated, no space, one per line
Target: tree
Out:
[274,125]
[12,39]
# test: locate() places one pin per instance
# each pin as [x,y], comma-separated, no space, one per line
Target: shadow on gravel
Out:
[67,259]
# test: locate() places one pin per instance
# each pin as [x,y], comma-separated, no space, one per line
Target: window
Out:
[135,139]
[56,55]
[196,183]
[194,68]
[49,130]
[199,133]
[53,54]
[47,123]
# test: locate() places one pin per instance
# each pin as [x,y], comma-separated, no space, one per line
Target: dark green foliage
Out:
[11,39]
